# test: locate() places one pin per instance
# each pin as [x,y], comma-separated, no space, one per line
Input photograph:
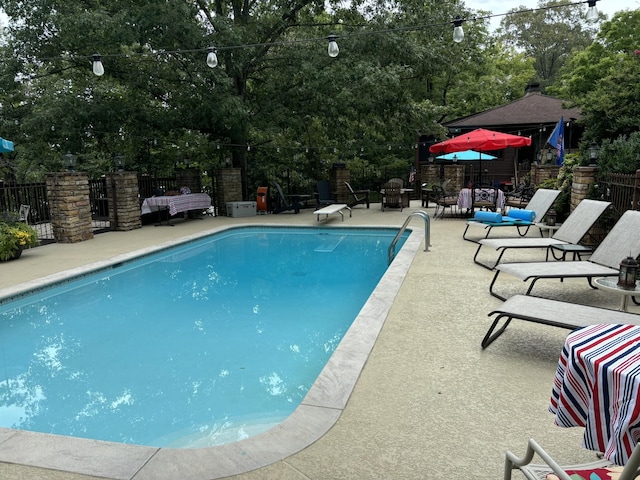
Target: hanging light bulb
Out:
[98,69]
[592,11]
[212,58]
[458,33]
[333,49]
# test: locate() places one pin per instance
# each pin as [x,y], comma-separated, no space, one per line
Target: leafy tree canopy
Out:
[548,35]
[602,79]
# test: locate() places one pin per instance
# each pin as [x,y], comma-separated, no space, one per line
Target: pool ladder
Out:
[391,251]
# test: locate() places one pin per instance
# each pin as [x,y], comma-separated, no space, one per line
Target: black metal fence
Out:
[13,196]
[623,191]
[99,205]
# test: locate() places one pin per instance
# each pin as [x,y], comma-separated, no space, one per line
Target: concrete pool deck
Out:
[428,403]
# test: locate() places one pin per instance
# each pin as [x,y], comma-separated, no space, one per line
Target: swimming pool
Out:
[202,344]
[317,413]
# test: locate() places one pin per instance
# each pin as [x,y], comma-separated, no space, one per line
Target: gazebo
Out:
[534,115]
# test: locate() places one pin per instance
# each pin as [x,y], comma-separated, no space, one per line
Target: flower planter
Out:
[15,256]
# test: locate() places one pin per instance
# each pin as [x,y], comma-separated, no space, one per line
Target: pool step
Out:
[329,244]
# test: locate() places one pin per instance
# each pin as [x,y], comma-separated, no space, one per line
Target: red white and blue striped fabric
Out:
[596,387]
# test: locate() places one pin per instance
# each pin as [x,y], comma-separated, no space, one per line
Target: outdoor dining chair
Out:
[392,196]
[444,201]
[358,197]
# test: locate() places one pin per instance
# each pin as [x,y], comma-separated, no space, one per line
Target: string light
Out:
[333,49]
[458,33]
[592,11]
[212,58]
[98,69]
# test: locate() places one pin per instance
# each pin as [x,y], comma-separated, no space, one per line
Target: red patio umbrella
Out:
[481,140]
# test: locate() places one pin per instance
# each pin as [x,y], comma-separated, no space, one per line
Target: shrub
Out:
[15,235]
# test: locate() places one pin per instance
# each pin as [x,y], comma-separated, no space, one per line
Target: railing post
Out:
[636,192]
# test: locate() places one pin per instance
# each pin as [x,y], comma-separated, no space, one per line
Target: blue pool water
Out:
[207,343]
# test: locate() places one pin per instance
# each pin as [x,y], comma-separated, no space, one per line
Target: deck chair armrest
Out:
[512,461]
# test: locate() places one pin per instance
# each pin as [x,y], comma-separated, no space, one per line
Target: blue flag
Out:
[556,140]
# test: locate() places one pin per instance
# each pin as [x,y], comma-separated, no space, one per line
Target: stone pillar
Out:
[583,178]
[228,188]
[455,176]
[124,201]
[540,173]
[338,175]
[430,174]
[68,195]
[189,177]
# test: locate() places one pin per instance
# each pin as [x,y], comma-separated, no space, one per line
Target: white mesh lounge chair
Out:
[540,472]
[553,313]
[570,232]
[622,241]
[540,203]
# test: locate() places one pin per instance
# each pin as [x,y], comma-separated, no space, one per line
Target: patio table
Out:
[596,386]
[176,203]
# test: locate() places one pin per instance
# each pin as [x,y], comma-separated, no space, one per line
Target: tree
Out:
[548,34]
[602,79]
[276,101]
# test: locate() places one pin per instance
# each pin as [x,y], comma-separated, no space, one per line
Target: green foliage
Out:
[602,79]
[563,182]
[548,36]
[15,235]
[621,155]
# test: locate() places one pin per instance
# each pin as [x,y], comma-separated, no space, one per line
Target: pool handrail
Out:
[391,251]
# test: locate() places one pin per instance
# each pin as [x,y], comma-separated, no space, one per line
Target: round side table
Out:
[610,284]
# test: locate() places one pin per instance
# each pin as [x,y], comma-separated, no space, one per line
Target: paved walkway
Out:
[429,402]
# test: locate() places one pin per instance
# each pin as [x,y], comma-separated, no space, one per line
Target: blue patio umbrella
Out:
[5,145]
[467,155]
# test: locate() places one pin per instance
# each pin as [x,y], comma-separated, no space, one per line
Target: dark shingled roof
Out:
[533,109]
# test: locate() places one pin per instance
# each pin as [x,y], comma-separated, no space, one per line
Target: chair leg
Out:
[495,277]
[491,336]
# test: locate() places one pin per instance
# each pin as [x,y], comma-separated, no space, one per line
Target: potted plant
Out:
[15,236]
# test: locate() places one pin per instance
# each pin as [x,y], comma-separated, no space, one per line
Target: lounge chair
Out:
[284,204]
[553,313]
[357,196]
[570,232]
[537,472]
[540,203]
[323,194]
[392,196]
[622,241]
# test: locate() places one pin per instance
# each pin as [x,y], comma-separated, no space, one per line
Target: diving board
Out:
[334,208]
